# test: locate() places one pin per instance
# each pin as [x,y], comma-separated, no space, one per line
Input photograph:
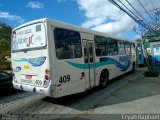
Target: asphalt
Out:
[141,95]
[124,96]
[139,98]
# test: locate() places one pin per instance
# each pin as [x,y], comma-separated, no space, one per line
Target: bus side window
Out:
[101,45]
[98,51]
[67,44]
[112,47]
[133,48]
[128,48]
[121,48]
[85,52]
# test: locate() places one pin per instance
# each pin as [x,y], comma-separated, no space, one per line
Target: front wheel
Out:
[104,79]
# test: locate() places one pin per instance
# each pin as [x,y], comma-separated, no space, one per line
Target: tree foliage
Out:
[153,36]
[5,43]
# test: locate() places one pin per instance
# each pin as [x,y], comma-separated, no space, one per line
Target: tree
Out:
[5,43]
[5,32]
[153,36]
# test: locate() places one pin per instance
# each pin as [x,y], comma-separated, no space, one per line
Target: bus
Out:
[58,59]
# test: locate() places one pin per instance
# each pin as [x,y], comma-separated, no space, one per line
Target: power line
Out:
[134,14]
[113,2]
[152,4]
[129,10]
[131,14]
[145,10]
[146,4]
[149,22]
[156,9]
[136,11]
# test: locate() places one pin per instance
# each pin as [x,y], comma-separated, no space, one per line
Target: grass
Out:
[151,74]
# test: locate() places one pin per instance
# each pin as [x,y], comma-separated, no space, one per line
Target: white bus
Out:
[58,59]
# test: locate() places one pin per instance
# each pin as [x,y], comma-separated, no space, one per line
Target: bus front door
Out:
[89,64]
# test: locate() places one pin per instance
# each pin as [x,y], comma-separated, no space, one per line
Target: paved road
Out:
[121,96]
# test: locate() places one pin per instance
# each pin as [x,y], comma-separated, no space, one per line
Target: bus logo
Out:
[17,69]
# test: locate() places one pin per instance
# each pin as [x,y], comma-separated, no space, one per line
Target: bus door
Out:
[89,66]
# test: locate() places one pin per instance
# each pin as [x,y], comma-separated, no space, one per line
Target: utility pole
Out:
[145,53]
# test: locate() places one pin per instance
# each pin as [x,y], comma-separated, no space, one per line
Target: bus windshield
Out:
[29,37]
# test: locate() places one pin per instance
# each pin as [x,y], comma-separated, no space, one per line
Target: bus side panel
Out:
[69,80]
[126,62]
[67,74]
[119,64]
[110,67]
[114,69]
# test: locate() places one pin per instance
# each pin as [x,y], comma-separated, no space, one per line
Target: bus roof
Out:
[71,27]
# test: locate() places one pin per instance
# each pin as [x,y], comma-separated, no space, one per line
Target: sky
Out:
[99,15]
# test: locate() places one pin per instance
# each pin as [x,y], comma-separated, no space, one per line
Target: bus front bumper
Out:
[49,91]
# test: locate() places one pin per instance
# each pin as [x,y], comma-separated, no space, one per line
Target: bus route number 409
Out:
[64,79]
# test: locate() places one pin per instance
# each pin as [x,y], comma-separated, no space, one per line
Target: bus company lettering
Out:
[22,40]
[27,41]
[37,61]
[24,32]
[30,41]
[38,39]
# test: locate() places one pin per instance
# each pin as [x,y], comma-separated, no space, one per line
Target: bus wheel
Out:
[104,79]
[133,67]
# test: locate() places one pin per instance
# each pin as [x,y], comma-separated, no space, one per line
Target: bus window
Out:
[91,52]
[85,52]
[67,44]
[133,48]
[29,37]
[101,46]
[128,48]
[121,48]
[112,47]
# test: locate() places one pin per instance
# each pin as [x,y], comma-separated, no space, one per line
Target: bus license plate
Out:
[28,77]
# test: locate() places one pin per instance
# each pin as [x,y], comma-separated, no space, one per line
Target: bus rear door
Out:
[89,64]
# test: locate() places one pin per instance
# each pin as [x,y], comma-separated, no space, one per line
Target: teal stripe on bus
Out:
[108,61]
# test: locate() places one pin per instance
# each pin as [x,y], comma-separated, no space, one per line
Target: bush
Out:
[5,65]
[151,74]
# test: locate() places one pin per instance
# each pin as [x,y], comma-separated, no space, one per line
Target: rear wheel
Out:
[133,67]
[104,79]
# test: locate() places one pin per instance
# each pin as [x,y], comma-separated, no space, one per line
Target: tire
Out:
[104,79]
[133,67]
